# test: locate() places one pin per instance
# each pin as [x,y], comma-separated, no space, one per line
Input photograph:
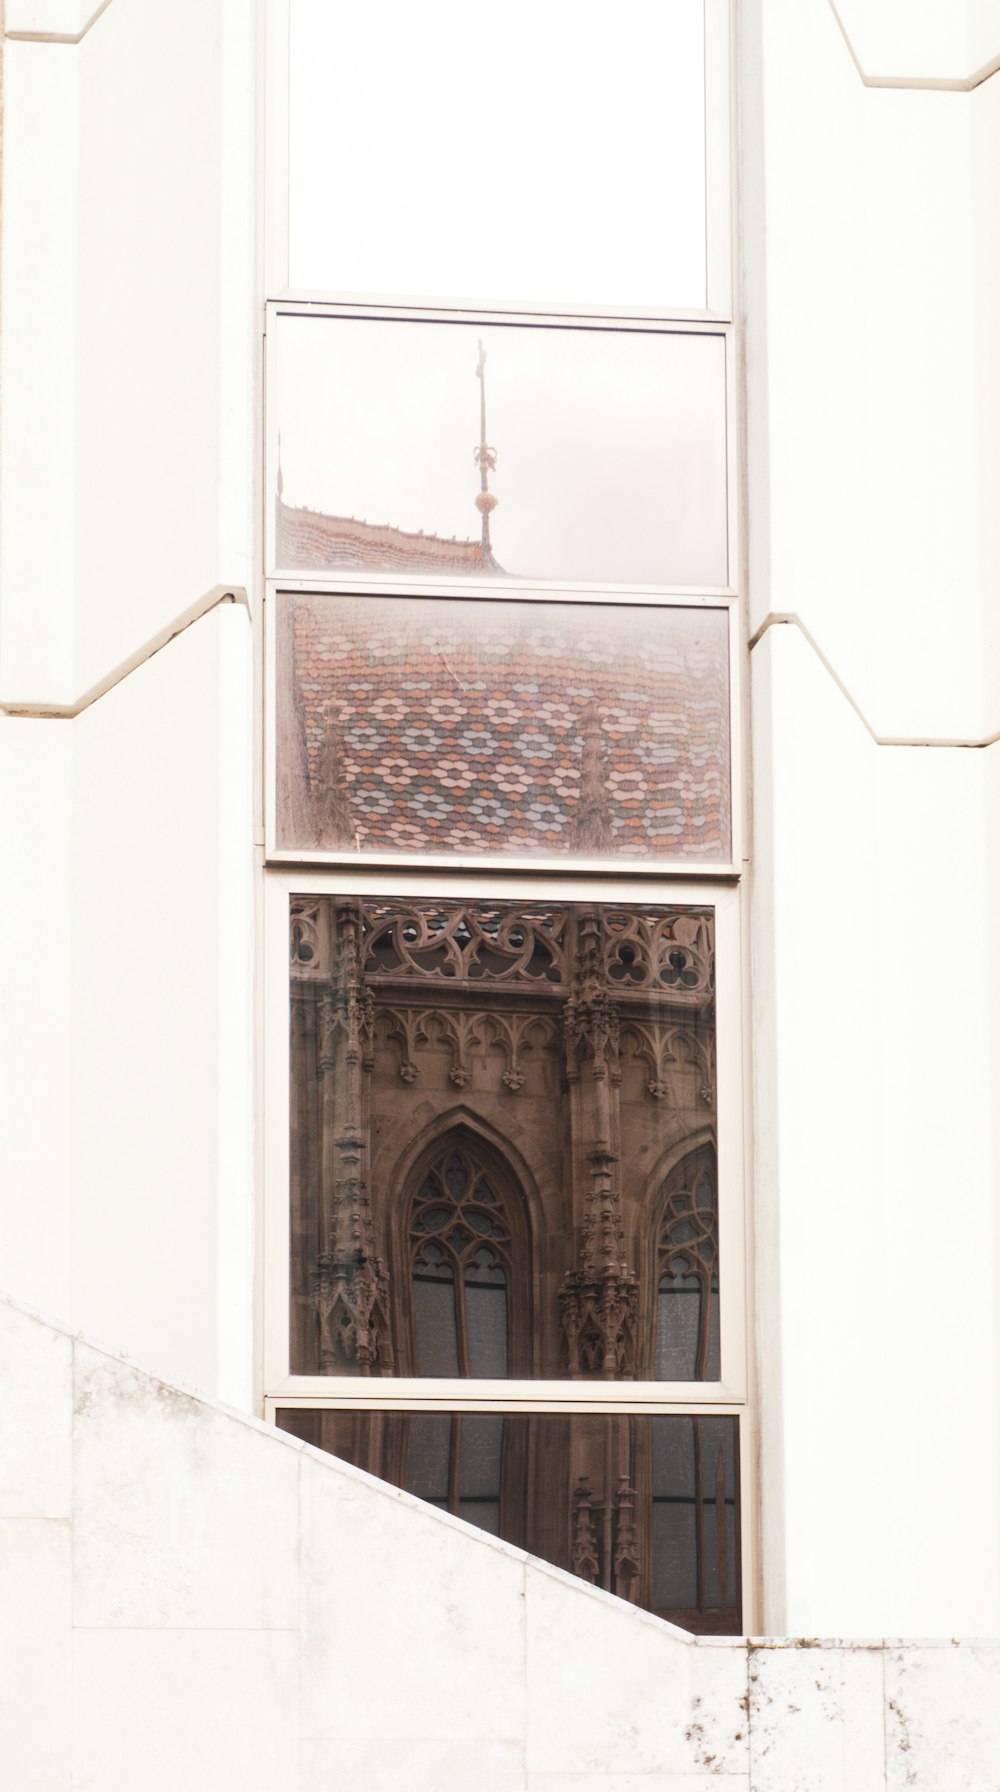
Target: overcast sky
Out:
[610,444]
[547,150]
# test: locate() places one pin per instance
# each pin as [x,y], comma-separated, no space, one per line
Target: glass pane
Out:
[475,451]
[688,1321]
[484,1513]
[481,1453]
[677,1327]
[434,1322]
[678,1331]
[428,1456]
[458,1068]
[675,1575]
[406,725]
[647,1508]
[486,1319]
[674,1459]
[695,1485]
[534,153]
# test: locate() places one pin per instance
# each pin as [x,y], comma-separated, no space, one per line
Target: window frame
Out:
[489,877]
[726,899]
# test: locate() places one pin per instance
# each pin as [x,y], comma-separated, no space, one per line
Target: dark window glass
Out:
[434,1316]
[502,1155]
[461,1251]
[687,1308]
[454,1461]
[428,1457]
[695,1543]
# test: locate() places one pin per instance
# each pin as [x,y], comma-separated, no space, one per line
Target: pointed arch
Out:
[682,1255]
[461,1251]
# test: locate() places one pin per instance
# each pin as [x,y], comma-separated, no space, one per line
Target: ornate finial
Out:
[485,458]
[591,821]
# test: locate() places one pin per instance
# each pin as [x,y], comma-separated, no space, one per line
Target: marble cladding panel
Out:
[666,1704]
[815,1718]
[206,1710]
[384,1765]
[636,1782]
[35,1655]
[419,1651]
[35,1438]
[942,1717]
[181,1517]
[389,1582]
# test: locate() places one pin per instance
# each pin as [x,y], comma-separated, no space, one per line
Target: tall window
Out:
[687,1250]
[461,1259]
[502,814]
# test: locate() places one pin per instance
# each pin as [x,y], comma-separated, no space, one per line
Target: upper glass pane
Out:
[537,152]
[471,451]
[417,725]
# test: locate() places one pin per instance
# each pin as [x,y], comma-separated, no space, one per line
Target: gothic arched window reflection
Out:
[460,1244]
[687,1271]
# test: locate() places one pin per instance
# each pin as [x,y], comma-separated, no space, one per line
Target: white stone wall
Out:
[193,1599]
[128,432]
[872,274]
[127,443]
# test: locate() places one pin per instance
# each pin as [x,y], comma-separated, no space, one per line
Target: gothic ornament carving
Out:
[407,1026]
[591,828]
[669,1052]
[584,1547]
[689,1234]
[308,944]
[672,954]
[591,1024]
[626,1563]
[599,1316]
[599,1301]
[350,1283]
[464,943]
[351,1298]
[516,1035]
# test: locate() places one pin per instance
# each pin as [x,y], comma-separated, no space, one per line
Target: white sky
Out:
[546,150]
[610,444]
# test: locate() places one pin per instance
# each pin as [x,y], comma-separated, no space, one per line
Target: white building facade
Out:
[849,264]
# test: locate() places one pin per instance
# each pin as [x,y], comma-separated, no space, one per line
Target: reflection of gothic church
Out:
[309,540]
[463,1078]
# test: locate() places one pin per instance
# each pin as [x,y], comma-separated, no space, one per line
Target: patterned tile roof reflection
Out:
[519,728]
